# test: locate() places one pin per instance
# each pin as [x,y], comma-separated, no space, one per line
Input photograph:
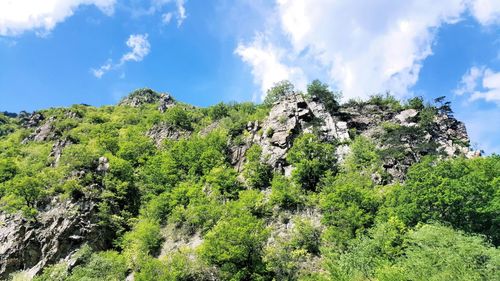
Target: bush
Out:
[285,194]
[349,205]
[320,91]
[143,240]
[235,245]
[104,266]
[461,192]
[257,174]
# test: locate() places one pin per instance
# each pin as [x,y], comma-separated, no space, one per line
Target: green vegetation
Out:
[180,210]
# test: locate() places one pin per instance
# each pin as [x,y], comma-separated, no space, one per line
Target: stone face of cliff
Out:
[58,231]
[294,114]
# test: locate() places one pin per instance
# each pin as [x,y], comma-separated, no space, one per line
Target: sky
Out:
[63,52]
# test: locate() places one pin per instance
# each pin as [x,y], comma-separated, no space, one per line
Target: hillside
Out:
[300,187]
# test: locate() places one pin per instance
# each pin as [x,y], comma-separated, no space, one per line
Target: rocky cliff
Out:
[62,225]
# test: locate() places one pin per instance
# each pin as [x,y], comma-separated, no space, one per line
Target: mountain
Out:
[300,187]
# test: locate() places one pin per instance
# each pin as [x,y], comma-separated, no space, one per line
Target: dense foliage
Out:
[328,220]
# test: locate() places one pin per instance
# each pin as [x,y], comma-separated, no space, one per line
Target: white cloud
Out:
[264,59]
[181,12]
[469,80]
[365,47]
[486,11]
[18,16]
[480,83]
[166,17]
[99,72]
[140,48]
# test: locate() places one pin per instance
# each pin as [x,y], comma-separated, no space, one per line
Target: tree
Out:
[8,169]
[104,266]
[310,159]
[320,91]
[223,182]
[349,205]
[435,252]
[286,194]
[462,192]
[24,194]
[257,173]
[235,245]
[278,91]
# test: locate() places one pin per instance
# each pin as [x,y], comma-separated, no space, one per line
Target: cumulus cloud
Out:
[99,72]
[18,16]
[365,47]
[139,48]
[486,11]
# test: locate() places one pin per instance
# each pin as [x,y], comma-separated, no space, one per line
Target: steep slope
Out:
[85,176]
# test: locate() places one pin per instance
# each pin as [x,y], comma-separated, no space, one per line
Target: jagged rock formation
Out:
[293,115]
[160,132]
[55,235]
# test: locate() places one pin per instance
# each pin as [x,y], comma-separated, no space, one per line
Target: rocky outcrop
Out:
[59,230]
[45,132]
[294,114]
[148,96]
[31,120]
[160,132]
[57,149]
[289,117]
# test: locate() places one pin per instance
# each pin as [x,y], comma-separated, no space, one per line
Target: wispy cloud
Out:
[480,83]
[139,48]
[181,12]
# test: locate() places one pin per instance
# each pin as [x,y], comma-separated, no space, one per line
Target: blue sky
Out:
[62,52]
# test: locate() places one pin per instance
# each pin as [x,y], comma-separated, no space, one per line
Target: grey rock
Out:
[57,149]
[31,245]
[160,132]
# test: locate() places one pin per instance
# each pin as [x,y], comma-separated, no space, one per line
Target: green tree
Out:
[435,252]
[462,192]
[320,91]
[349,204]
[311,159]
[279,90]
[23,194]
[235,245]
[286,194]
[257,173]
[104,266]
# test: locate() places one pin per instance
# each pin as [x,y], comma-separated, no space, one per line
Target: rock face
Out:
[160,132]
[287,119]
[293,115]
[57,233]
[57,150]
[31,120]
[45,132]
